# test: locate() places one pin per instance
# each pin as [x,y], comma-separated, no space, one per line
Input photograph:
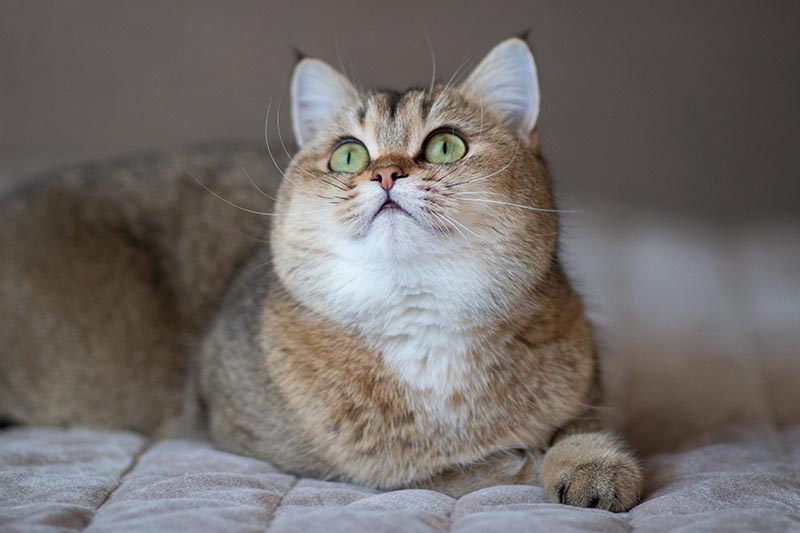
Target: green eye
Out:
[445,148]
[351,157]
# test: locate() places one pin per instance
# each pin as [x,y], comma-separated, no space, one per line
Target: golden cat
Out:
[406,324]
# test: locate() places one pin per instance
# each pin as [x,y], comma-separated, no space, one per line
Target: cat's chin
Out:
[395,232]
[393,224]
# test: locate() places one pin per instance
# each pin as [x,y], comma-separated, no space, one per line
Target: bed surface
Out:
[115,481]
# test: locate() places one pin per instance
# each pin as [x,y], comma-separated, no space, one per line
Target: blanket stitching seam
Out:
[122,476]
[450,515]
[280,502]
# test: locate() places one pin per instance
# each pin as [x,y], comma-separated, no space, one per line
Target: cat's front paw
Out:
[591,470]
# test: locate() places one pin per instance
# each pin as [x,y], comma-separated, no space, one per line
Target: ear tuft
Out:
[506,80]
[318,91]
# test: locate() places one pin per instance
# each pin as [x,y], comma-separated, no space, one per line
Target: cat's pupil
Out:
[349,154]
[444,148]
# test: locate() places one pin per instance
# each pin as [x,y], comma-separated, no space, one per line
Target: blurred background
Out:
[672,128]
[689,106]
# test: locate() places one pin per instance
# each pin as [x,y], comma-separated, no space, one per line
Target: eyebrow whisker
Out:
[448,86]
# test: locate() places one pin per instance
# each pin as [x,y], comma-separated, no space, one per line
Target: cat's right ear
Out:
[318,91]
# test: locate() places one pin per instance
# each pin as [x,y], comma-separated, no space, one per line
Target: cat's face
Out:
[408,184]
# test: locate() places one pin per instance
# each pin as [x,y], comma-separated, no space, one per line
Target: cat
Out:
[403,322]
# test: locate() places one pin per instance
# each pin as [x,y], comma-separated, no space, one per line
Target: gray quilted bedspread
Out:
[113,481]
[701,333]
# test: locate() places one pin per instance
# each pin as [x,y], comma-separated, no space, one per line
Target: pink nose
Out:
[388,175]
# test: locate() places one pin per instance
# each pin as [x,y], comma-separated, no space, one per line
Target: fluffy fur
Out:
[438,345]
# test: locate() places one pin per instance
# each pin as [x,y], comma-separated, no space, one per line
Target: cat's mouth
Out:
[390,206]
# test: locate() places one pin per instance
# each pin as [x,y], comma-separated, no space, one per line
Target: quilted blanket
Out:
[700,326]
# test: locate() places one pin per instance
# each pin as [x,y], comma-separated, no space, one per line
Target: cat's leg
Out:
[589,467]
[584,469]
[512,467]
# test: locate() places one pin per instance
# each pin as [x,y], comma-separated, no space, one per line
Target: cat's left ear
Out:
[318,91]
[506,80]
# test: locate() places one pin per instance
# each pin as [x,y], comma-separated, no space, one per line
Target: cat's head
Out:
[440,185]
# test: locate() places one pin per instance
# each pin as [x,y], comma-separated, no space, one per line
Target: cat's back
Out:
[108,273]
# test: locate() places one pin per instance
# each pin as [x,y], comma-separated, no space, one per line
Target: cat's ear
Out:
[506,80]
[318,91]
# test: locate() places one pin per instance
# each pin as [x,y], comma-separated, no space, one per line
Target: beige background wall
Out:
[689,106]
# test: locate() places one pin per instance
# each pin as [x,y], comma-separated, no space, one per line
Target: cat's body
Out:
[356,406]
[109,274]
[404,327]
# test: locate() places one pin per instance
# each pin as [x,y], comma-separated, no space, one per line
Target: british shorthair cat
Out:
[406,322]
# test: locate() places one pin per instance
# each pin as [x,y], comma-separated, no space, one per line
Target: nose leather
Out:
[387,176]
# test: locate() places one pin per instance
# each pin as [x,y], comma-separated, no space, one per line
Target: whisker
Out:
[480,130]
[433,55]
[511,204]
[246,173]
[245,209]
[357,75]
[269,149]
[437,223]
[262,265]
[513,157]
[450,220]
[323,180]
[292,159]
[339,57]
[280,134]
[272,156]
[251,237]
[347,185]
[444,230]
[457,223]
[352,75]
[442,227]
[449,85]
[207,188]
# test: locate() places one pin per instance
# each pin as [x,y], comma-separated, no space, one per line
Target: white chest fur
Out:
[425,341]
[422,304]
[423,318]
